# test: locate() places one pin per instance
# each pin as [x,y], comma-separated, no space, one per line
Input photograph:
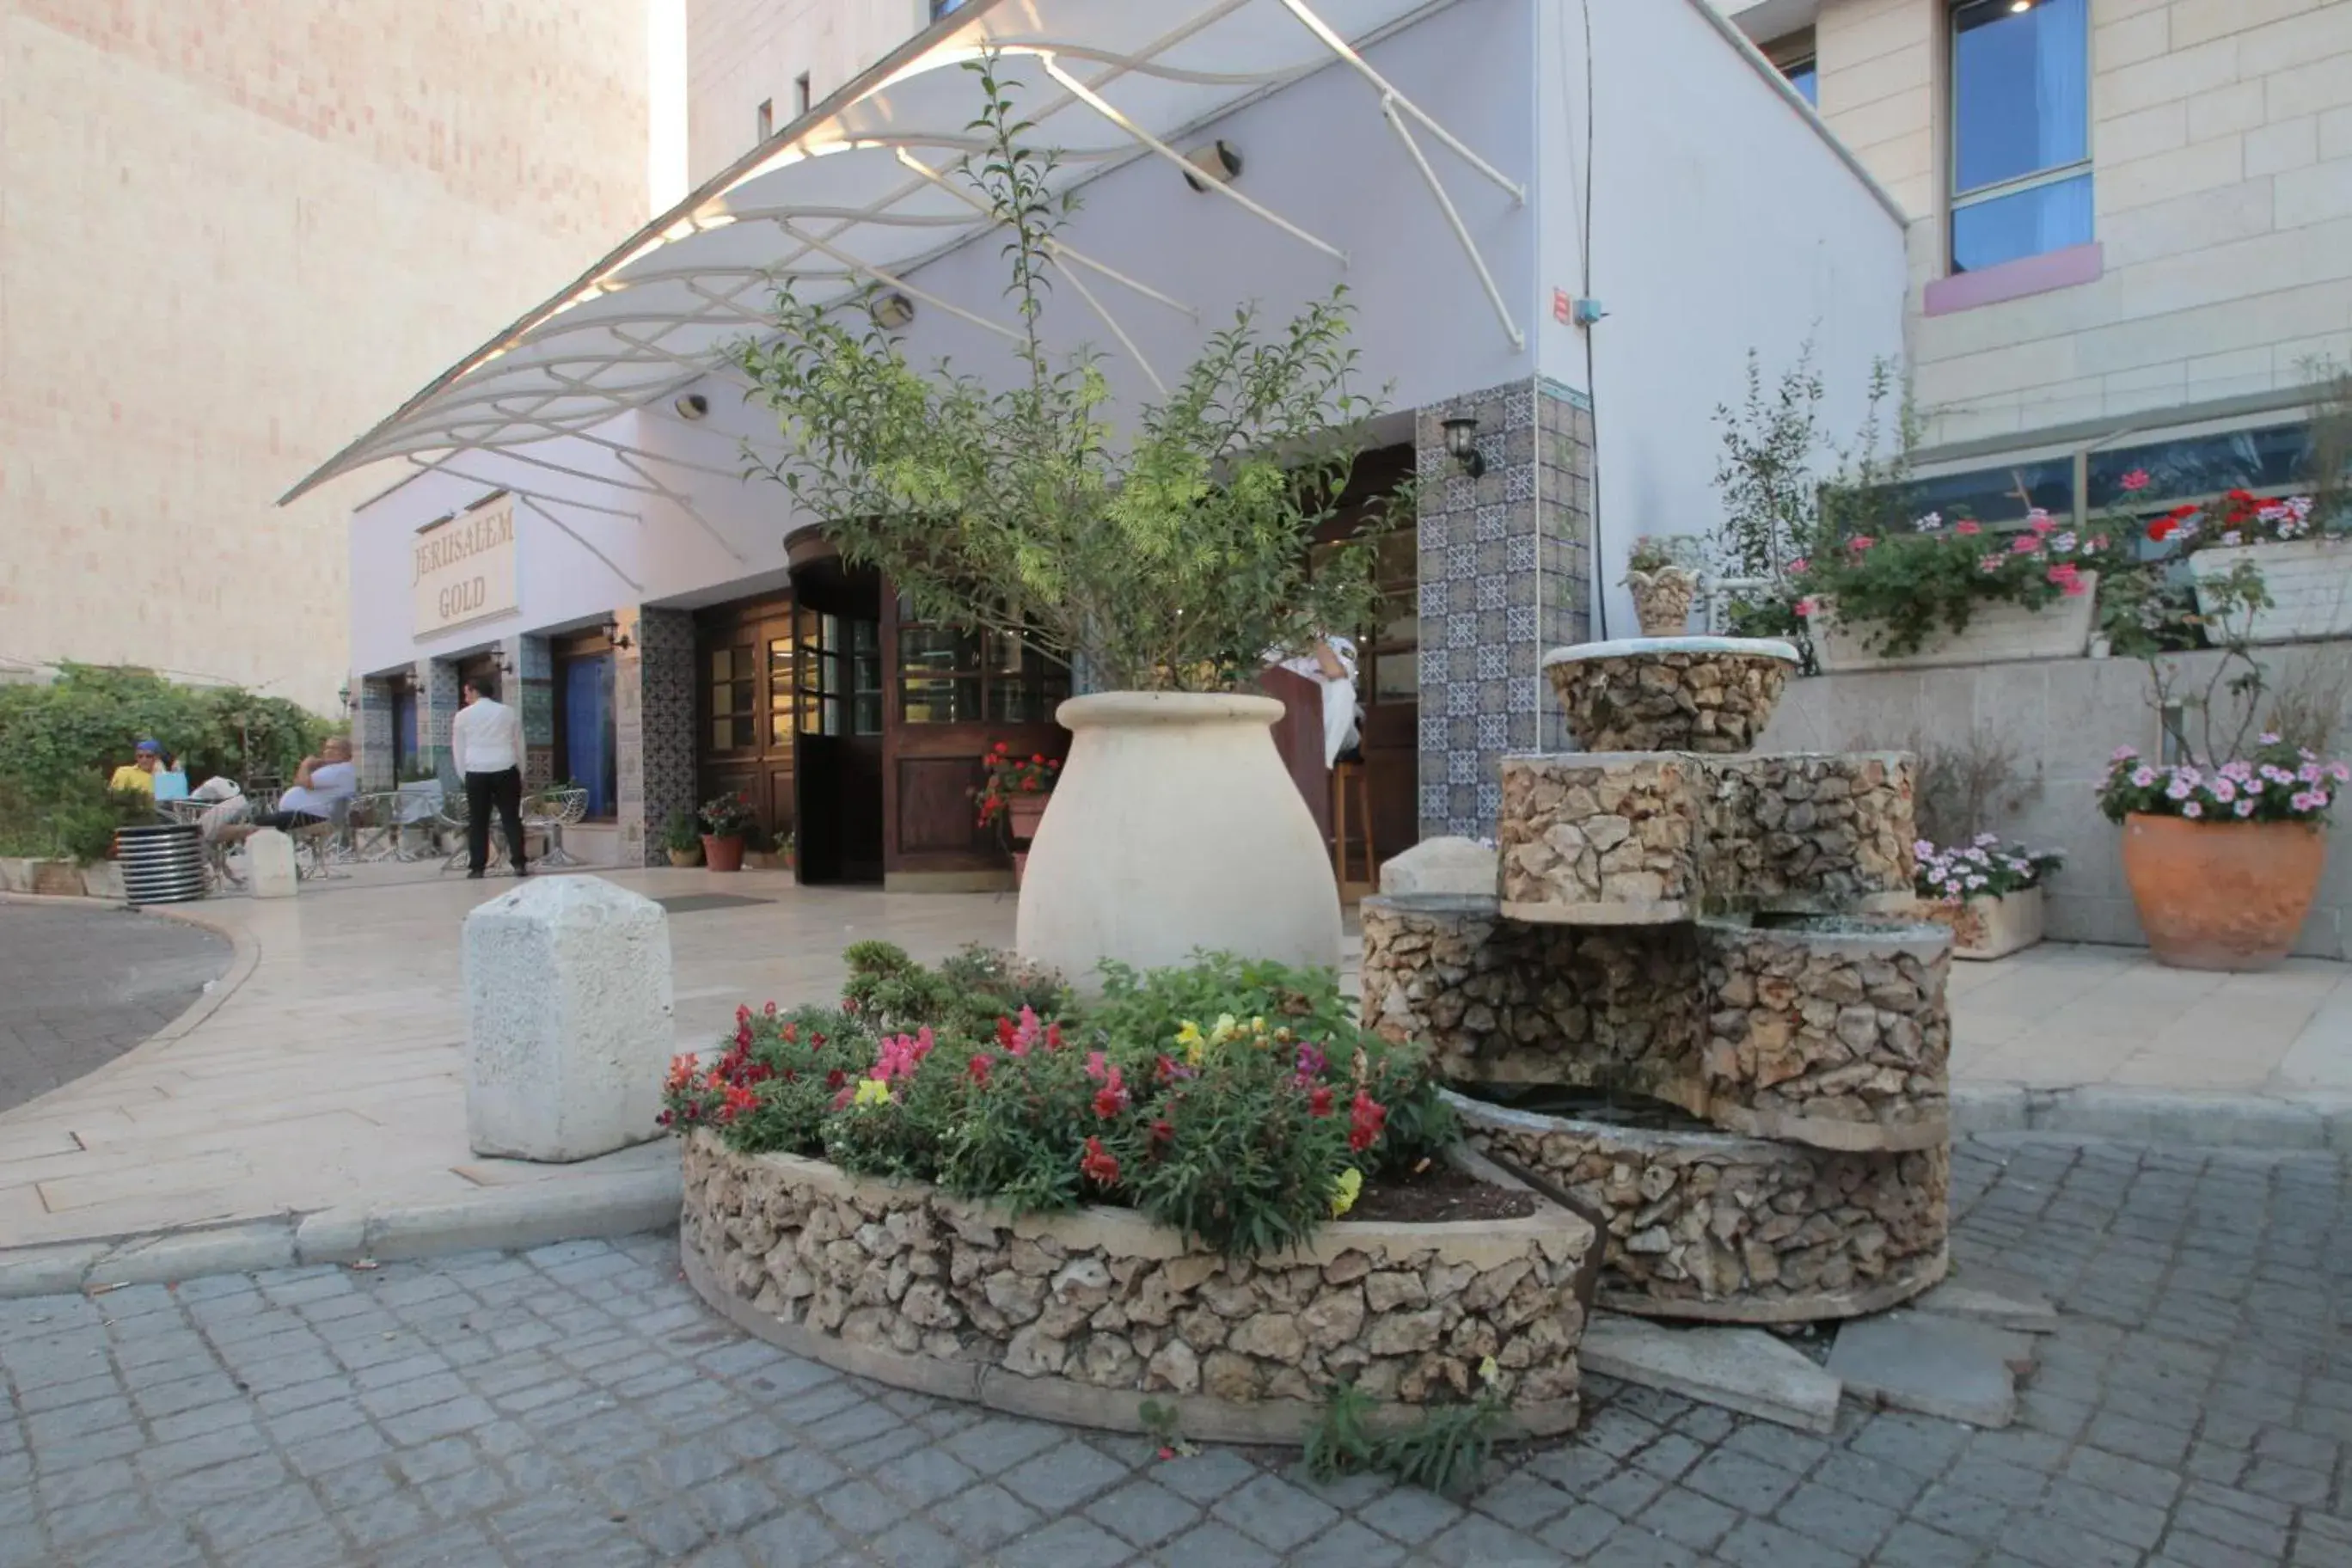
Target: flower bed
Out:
[957,1180]
[1706,1226]
[1938,595]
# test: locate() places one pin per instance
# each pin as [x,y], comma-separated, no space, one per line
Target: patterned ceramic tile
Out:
[1461,697]
[1462,767]
[1489,521]
[1461,631]
[1520,626]
[1493,732]
[1493,592]
[1494,663]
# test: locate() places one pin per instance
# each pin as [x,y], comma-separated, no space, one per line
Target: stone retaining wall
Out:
[1080,1317]
[1837,1037]
[1639,838]
[1704,697]
[1728,1229]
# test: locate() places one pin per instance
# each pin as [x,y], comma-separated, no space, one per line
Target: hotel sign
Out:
[464,568]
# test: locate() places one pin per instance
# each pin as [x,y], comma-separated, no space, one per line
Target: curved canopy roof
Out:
[860,192]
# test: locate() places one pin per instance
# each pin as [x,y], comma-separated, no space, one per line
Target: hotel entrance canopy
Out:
[862,191]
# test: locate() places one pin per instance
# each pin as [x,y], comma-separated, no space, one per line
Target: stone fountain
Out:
[1687,1005]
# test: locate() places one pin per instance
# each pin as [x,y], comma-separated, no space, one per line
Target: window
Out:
[1792,57]
[838,687]
[947,676]
[2021,154]
[767,118]
[941,8]
[729,692]
[801,93]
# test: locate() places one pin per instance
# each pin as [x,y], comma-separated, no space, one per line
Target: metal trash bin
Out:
[162,865]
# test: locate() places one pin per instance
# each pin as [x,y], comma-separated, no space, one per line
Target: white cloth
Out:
[331,785]
[485,736]
[1338,694]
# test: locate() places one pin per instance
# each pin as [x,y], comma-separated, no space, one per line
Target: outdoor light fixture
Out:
[345,696]
[1461,440]
[692,407]
[1220,161]
[616,636]
[891,311]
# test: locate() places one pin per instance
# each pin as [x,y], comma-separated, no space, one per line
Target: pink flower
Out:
[1989,564]
[2245,808]
[1799,566]
[2135,480]
[2039,520]
[2025,544]
[1806,607]
[2123,753]
[1860,542]
[1965,528]
[2191,809]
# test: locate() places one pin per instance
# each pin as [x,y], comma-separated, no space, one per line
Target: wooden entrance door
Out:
[837,718]
[743,672]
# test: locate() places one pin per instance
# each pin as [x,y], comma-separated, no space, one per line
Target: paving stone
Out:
[1144,1512]
[1745,1370]
[1935,1366]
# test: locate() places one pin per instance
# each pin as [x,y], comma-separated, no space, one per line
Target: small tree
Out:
[1175,562]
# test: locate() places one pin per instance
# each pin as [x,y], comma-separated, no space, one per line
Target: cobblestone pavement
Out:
[576,1406]
[80,986]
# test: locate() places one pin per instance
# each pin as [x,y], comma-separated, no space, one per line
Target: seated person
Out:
[139,773]
[321,783]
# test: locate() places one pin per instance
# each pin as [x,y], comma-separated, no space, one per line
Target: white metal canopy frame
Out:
[864,192]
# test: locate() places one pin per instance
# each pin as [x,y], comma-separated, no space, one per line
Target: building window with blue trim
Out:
[2021,153]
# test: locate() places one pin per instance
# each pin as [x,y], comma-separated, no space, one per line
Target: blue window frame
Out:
[1803,76]
[2021,153]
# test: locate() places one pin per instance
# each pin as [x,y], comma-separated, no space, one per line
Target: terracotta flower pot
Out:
[723,854]
[2221,895]
[1023,814]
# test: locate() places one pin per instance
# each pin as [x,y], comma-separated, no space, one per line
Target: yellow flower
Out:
[1195,1053]
[1226,1030]
[1188,1034]
[1344,1191]
[1489,1372]
[871,1091]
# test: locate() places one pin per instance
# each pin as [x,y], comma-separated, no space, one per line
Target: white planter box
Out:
[2309,582]
[1997,634]
[1989,928]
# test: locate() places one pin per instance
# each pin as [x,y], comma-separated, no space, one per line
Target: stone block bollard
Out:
[567,1019]
[270,869]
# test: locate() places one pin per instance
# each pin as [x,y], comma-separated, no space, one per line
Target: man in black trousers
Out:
[486,743]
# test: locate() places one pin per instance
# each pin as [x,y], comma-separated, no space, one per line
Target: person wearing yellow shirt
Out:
[139,773]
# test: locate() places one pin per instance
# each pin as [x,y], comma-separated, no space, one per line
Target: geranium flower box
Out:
[1996,633]
[1987,927]
[2309,582]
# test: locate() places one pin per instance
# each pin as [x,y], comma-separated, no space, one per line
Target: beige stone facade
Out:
[2221,156]
[741,54]
[234,233]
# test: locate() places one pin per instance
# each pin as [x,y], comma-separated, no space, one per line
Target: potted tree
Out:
[727,821]
[2222,844]
[683,838]
[1163,561]
[1661,588]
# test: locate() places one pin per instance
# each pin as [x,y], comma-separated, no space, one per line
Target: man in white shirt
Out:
[485,744]
[320,786]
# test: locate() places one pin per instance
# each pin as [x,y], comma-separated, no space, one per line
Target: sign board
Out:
[464,568]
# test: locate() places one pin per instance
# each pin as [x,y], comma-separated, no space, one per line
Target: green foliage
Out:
[1168,556]
[1908,587]
[683,832]
[727,816]
[1444,1451]
[1246,1130]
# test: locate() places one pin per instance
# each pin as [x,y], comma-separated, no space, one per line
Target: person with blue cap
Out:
[139,773]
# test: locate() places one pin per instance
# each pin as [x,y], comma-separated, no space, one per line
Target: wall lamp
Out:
[344,695]
[692,407]
[892,311]
[616,636]
[1462,441]
[1220,161]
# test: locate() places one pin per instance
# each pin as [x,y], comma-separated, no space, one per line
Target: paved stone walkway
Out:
[80,986]
[576,1406]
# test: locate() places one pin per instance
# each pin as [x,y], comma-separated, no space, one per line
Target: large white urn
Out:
[1175,829]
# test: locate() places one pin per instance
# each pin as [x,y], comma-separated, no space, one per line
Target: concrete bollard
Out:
[270,869]
[567,1019]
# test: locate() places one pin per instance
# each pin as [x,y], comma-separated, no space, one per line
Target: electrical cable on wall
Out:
[1584,291]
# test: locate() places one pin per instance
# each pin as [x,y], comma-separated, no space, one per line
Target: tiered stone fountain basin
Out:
[1678,1014]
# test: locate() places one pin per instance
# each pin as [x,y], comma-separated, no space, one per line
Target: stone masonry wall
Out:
[1691,700]
[1731,1229]
[1838,1039]
[1110,1301]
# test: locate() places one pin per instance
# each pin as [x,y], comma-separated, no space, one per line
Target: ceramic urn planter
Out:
[1175,829]
[2216,895]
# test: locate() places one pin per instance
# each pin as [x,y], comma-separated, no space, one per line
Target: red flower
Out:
[1366,1117]
[1965,527]
[739,1101]
[771,1009]
[978,1068]
[1039,757]
[1161,1132]
[1053,1036]
[1098,1164]
[1004,1032]
[1002,747]
[792,1034]
[2162,528]
[1319,1101]
[743,1013]
[681,1073]
[837,1078]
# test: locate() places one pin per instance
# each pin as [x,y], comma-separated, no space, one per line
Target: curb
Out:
[509,1219]
[2308,1122]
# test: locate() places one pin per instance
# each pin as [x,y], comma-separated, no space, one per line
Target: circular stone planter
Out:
[1081,1316]
[1175,829]
[1720,1228]
[1670,694]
